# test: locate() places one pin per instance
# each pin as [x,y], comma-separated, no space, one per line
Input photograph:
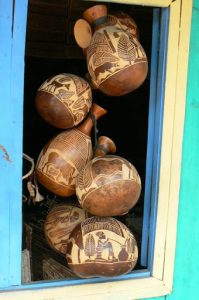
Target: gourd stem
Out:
[96,112]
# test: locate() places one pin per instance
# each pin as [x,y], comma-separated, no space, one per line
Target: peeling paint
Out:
[6,155]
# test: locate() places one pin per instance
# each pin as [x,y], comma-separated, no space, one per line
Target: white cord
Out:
[31,160]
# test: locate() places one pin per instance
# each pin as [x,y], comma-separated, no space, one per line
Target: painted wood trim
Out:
[16,130]
[150,139]
[184,41]
[167,134]
[175,98]
[128,290]
[160,97]
[156,3]
[6,155]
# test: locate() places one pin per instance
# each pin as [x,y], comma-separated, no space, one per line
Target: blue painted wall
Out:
[12,43]
[186,276]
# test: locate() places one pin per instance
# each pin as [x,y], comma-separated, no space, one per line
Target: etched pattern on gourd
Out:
[89,180]
[59,162]
[99,43]
[104,61]
[102,58]
[85,183]
[103,241]
[102,223]
[72,91]
[112,20]
[126,49]
[113,49]
[141,55]
[60,222]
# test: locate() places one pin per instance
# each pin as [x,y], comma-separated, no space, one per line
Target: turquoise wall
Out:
[186,276]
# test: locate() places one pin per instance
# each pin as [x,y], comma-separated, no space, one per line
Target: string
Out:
[95,129]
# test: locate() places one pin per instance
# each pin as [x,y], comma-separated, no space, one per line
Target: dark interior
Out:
[50,50]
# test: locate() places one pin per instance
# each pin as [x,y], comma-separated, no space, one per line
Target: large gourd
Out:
[64,100]
[108,185]
[61,160]
[60,222]
[116,61]
[102,247]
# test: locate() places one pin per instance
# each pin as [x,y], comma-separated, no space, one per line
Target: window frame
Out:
[159,282]
[155,3]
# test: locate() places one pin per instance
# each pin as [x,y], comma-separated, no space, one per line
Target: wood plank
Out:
[6,151]
[167,140]
[116,290]
[14,124]
[150,139]
[157,3]
[185,26]
[161,75]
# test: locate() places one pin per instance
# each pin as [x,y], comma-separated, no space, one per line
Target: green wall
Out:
[186,276]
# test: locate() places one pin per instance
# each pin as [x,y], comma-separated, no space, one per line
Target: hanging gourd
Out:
[108,185]
[61,160]
[116,61]
[64,100]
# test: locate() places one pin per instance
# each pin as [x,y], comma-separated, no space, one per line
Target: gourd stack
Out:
[106,185]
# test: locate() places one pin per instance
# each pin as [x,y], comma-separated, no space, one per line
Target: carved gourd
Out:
[60,222]
[101,247]
[116,61]
[61,160]
[64,100]
[125,22]
[104,146]
[108,185]
[83,31]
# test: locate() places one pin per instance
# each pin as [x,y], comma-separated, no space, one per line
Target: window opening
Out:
[52,52]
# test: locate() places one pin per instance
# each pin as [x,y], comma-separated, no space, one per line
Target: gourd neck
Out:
[95,113]
[99,22]
[96,15]
[104,146]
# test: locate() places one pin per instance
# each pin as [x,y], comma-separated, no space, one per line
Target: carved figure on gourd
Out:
[101,242]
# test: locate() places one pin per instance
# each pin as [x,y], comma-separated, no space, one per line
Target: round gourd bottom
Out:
[125,81]
[54,187]
[113,199]
[100,269]
[53,111]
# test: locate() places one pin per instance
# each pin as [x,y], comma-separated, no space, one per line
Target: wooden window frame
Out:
[160,281]
[155,3]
